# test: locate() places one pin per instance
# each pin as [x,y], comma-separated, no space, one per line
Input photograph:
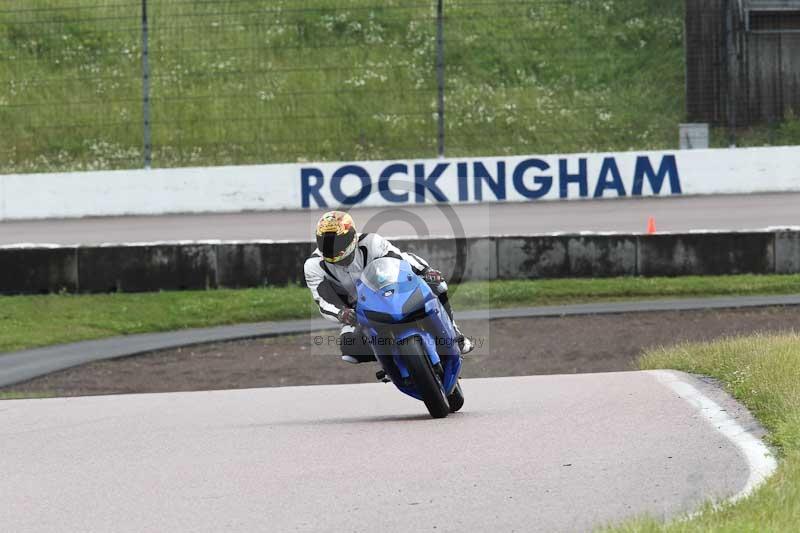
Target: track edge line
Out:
[761,462]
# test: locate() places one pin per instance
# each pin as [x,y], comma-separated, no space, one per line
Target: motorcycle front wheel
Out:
[424,378]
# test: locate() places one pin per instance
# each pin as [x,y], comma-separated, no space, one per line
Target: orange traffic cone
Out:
[651,225]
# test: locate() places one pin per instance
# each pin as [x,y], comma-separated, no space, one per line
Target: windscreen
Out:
[381,272]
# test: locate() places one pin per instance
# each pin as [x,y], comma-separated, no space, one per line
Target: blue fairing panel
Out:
[396,306]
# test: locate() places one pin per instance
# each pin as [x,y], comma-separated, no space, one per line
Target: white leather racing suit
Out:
[333,287]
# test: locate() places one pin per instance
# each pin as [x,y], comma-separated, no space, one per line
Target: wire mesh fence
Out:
[71,86]
[256,81]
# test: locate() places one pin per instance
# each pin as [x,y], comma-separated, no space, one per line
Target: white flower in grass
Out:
[635,23]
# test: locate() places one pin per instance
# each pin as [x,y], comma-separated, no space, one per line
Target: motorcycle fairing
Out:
[396,306]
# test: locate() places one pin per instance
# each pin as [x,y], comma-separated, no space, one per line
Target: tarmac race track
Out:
[549,453]
[673,214]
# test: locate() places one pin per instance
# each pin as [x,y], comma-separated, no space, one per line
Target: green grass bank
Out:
[249,81]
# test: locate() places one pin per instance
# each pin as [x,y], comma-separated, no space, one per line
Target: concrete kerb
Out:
[147,267]
[562,256]
[698,254]
[787,252]
[39,270]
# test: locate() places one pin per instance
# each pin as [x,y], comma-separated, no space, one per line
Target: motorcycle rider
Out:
[332,270]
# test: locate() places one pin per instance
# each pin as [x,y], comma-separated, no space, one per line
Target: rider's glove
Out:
[347,316]
[433,277]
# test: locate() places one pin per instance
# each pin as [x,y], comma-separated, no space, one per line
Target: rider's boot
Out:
[355,347]
[358,359]
[465,344]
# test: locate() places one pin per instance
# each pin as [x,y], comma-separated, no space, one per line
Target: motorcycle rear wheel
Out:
[425,380]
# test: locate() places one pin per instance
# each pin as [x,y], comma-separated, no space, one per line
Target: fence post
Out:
[440,72]
[147,133]
[731,70]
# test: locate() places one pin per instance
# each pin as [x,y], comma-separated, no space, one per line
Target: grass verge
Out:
[762,372]
[24,395]
[32,321]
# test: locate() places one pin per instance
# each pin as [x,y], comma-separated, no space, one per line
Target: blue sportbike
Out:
[410,334]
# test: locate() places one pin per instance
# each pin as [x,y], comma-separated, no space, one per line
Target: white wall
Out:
[527,178]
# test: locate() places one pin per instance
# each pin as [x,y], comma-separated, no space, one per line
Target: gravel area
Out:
[513,347]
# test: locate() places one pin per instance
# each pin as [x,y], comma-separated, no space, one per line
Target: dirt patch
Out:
[506,348]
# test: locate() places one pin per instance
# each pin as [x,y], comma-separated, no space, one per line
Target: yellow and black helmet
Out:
[336,237]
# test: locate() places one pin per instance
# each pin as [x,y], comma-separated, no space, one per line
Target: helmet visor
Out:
[335,248]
